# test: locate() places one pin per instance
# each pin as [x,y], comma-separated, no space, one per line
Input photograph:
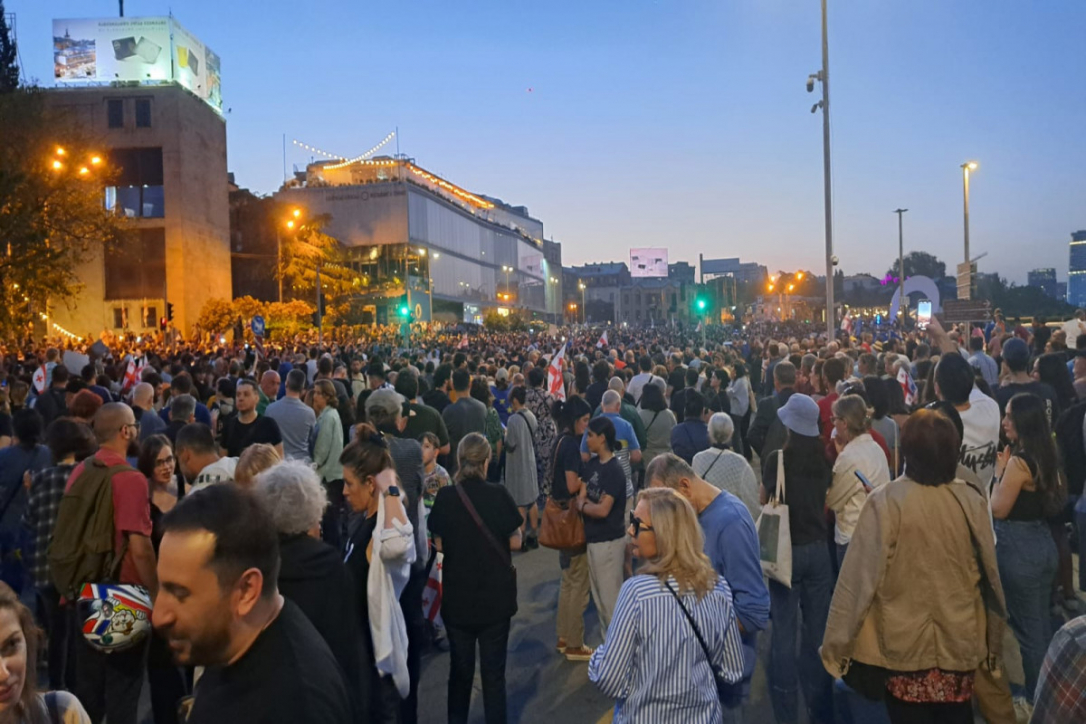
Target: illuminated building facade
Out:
[1076,278]
[414,237]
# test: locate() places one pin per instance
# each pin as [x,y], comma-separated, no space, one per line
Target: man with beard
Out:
[219,607]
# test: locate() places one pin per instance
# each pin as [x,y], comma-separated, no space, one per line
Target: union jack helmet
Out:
[115,616]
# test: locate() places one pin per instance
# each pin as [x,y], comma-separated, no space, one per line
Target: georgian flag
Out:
[40,376]
[133,373]
[555,382]
[603,340]
[846,323]
[907,385]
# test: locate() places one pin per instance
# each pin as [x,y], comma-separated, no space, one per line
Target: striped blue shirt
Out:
[652,663]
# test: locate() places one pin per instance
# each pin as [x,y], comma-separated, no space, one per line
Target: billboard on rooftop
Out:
[650,262]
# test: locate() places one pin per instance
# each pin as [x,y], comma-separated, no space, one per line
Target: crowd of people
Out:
[289,516]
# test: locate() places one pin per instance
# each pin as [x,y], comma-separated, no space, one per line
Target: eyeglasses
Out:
[165,461]
[638,526]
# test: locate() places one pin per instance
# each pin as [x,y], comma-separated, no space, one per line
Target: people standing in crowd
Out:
[731,543]
[1026,492]
[658,421]
[573,590]
[500,392]
[108,685]
[1060,697]
[182,384]
[520,465]
[438,396]
[985,366]
[1016,378]
[602,503]
[916,535]
[325,447]
[53,403]
[371,490]
[766,434]
[27,455]
[255,460]
[143,407]
[269,390]
[312,573]
[248,428]
[652,662]
[475,521]
[628,452]
[881,421]
[807,477]
[833,372]
[724,469]
[168,685]
[643,377]
[219,607]
[494,428]
[182,412]
[464,416]
[954,382]
[680,395]
[70,443]
[198,458]
[691,436]
[539,401]
[739,401]
[434,476]
[1051,369]
[294,418]
[21,702]
[860,467]
[601,376]
[223,409]
[420,418]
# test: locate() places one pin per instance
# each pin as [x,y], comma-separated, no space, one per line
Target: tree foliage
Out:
[216,316]
[52,218]
[1021,301]
[920,263]
[306,248]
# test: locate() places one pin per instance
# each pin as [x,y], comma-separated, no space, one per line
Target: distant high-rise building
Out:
[1045,279]
[1076,278]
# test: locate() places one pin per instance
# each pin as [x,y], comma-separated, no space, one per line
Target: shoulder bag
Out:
[501,551]
[774,534]
[562,527]
[729,694]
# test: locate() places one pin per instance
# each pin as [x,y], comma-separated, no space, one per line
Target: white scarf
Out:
[390,566]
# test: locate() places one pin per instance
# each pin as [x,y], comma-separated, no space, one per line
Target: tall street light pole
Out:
[966,168]
[823,76]
[584,309]
[902,306]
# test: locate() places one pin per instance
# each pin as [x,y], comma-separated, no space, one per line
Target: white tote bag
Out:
[774,535]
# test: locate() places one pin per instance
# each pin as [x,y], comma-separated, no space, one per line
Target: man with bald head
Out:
[143,400]
[269,390]
[109,684]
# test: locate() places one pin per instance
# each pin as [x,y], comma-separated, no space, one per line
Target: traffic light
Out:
[405,309]
[169,312]
[162,323]
[702,304]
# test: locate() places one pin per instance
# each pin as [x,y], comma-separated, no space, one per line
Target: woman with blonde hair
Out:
[860,467]
[20,701]
[256,459]
[674,635]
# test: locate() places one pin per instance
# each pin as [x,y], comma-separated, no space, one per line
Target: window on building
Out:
[150,317]
[120,317]
[143,113]
[136,266]
[139,191]
[115,112]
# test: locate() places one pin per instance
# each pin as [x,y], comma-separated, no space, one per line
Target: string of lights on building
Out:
[314,149]
[367,154]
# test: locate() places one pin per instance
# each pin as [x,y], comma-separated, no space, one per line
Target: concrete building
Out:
[681,271]
[743,272]
[168,149]
[1076,277]
[602,282]
[1045,279]
[418,239]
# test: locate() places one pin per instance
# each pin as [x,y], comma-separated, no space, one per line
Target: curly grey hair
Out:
[293,495]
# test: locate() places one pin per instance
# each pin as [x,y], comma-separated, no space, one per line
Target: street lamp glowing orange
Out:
[297,213]
[60,151]
[799,275]
[83,171]
[290,224]
[791,287]
[57,165]
[96,160]
[770,287]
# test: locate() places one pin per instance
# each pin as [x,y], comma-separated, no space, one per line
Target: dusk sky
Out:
[680,124]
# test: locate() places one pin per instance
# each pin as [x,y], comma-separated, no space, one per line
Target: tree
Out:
[309,248]
[495,322]
[920,263]
[9,55]
[52,218]
[216,316]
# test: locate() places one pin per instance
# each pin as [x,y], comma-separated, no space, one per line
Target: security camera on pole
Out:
[823,76]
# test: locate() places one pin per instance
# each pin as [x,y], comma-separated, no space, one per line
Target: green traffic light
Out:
[701,304]
[405,310]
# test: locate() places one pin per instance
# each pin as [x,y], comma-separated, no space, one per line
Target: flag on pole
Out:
[133,373]
[846,323]
[699,327]
[40,376]
[555,381]
[907,385]
[603,340]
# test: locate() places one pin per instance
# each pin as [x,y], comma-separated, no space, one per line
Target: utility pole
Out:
[823,76]
[320,317]
[903,306]
[122,7]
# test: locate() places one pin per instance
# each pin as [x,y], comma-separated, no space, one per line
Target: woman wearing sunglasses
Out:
[674,631]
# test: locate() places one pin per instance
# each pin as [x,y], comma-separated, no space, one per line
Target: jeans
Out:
[493,644]
[109,685]
[572,598]
[812,586]
[1027,560]
[905,712]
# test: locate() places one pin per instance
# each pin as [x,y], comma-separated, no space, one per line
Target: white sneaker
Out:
[1023,710]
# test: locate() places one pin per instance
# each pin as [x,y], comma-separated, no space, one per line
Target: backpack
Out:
[1072,448]
[82,548]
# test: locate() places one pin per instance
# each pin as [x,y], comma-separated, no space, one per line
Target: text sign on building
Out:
[144,50]
[648,262]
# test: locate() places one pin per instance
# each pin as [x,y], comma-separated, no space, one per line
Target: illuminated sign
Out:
[143,50]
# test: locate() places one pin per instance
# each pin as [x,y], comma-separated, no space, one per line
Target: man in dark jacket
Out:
[767,432]
[691,436]
[52,403]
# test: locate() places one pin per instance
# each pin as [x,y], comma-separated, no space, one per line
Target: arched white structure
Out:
[916,284]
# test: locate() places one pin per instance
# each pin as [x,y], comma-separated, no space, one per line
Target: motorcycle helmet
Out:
[115,616]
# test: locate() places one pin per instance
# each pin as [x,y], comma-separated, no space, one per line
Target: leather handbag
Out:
[562,527]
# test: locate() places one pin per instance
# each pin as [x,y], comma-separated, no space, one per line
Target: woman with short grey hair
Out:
[312,574]
[725,469]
